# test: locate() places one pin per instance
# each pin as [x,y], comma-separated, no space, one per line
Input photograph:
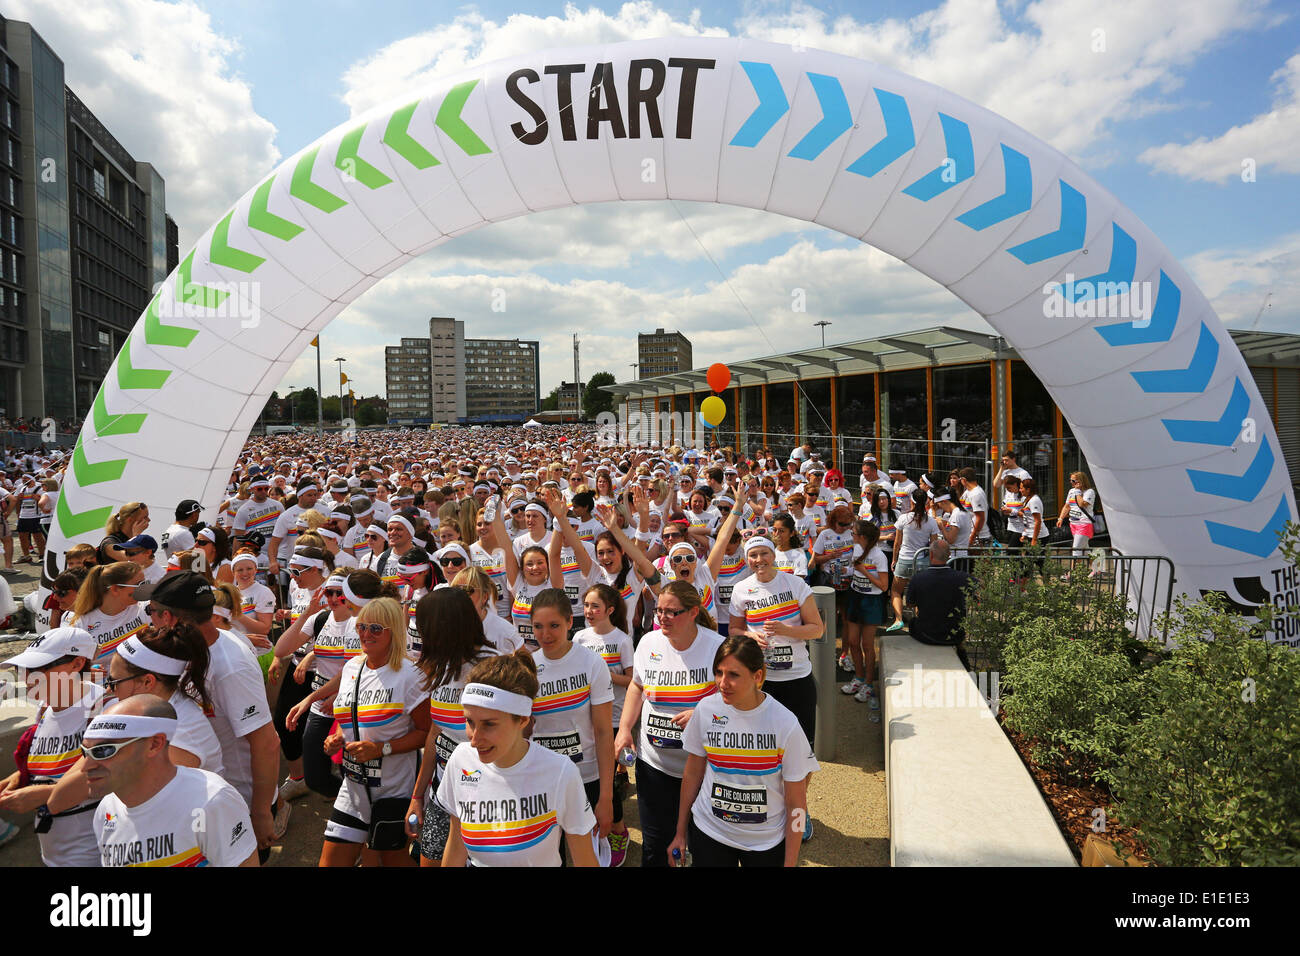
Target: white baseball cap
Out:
[56,643]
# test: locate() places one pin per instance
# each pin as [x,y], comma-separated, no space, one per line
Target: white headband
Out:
[325,532]
[221,612]
[240,558]
[757,541]
[352,596]
[401,519]
[134,651]
[306,488]
[538,508]
[494,698]
[682,546]
[126,726]
[301,561]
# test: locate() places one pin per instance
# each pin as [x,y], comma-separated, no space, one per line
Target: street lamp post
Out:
[340,361]
[822,325]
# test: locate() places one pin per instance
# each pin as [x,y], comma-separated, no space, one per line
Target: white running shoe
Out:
[863,694]
[293,789]
[8,832]
[853,687]
[281,820]
[846,663]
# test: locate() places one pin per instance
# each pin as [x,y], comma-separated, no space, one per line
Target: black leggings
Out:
[317,767]
[593,795]
[799,696]
[658,795]
[706,851]
[291,692]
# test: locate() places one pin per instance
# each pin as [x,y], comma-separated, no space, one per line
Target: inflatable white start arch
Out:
[1180,444]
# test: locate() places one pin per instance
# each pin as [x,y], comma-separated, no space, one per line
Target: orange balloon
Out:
[718,377]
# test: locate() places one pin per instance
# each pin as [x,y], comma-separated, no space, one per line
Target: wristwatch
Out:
[387,749]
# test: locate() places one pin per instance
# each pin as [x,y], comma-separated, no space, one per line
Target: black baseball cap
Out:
[183,591]
[187,507]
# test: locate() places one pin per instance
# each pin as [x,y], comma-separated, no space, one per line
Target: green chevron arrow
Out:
[88,474]
[75,523]
[157,333]
[263,220]
[353,165]
[403,143]
[128,376]
[303,188]
[106,424]
[449,120]
[222,253]
[196,293]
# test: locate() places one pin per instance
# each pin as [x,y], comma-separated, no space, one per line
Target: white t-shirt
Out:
[575,582]
[915,529]
[673,681]
[615,649]
[777,601]
[40,614]
[1034,506]
[963,522]
[794,561]
[165,830]
[386,700]
[521,608]
[239,707]
[336,643]
[55,750]
[501,634]
[630,592]
[977,502]
[567,690]
[902,492]
[876,562]
[1080,501]
[111,630]
[258,599]
[194,733]
[1015,505]
[176,538]
[449,716]
[515,816]
[261,518]
[749,757]
[525,541]
[732,571]
[839,545]
[494,565]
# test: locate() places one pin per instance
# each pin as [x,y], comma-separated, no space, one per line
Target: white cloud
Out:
[162,81]
[1269,140]
[1238,281]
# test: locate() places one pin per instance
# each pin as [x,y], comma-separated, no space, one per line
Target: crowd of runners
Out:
[466,640]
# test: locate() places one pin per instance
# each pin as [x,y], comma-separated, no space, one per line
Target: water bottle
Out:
[627,757]
[490,510]
[680,860]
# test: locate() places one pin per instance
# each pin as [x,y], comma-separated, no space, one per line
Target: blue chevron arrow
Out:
[772,104]
[1017,196]
[1222,432]
[1118,277]
[1260,543]
[899,136]
[1245,487]
[1164,316]
[957,167]
[836,118]
[1194,378]
[1066,237]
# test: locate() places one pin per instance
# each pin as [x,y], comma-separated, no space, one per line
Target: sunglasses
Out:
[669,613]
[683,559]
[332,594]
[517,511]
[451,562]
[107,751]
[375,629]
[110,683]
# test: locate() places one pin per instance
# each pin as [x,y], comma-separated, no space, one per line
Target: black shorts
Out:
[386,829]
[30,526]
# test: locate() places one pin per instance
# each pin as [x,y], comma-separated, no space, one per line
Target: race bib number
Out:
[368,774]
[572,592]
[739,805]
[663,733]
[566,745]
[317,681]
[780,657]
[444,746]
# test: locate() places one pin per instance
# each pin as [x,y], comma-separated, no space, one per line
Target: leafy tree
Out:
[594,398]
[551,402]
[304,404]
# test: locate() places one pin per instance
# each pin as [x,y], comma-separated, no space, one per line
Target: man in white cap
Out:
[152,812]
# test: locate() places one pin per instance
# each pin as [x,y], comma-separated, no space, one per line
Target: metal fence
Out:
[1145,581]
[35,439]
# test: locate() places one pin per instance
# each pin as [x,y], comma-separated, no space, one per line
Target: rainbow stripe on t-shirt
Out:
[191,857]
[683,696]
[256,523]
[556,703]
[751,763]
[507,836]
[449,715]
[785,611]
[370,715]
[109,646]
[52,766]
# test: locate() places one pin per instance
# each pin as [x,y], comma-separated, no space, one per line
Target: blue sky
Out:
[249,83]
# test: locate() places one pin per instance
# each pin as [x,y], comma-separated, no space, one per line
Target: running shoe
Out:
[854,686]
[896,626]
[846,663]
[875,704]
[8,832]
[281,823]
[292,789]
[617,848]
[9,572]
[864,694]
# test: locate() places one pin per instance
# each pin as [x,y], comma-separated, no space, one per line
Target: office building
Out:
[446,369]
[662,353]
[83,236]
[407,377]
[569,398]
[501,379]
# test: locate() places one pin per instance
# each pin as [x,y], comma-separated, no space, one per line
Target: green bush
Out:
[1211,770]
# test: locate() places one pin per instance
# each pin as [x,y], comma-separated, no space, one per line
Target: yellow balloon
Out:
[713,409]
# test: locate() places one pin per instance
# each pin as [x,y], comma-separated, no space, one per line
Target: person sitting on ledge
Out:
[938,597]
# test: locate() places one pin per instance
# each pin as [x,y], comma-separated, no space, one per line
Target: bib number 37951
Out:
[739,805]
